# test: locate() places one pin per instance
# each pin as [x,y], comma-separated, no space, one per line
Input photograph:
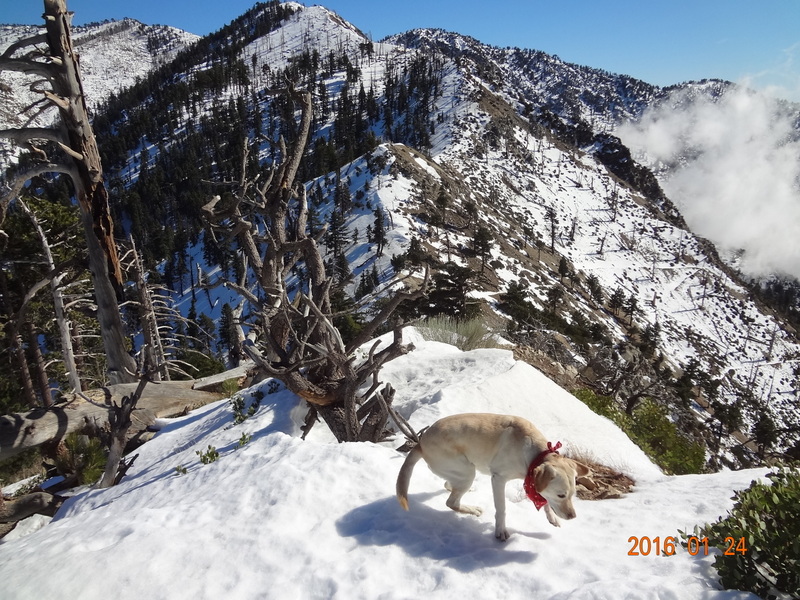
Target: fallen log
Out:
[20,431]
[40,503]
[17,509]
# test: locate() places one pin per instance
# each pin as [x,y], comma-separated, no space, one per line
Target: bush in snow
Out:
[649,428]
[82,456]
[465,335]
[759,539]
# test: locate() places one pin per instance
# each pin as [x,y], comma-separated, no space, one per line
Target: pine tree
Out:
[482,244]
[554,296]
[595,290]
[379,231]
[563,268]
[337,235]
[617,300]
[227,328]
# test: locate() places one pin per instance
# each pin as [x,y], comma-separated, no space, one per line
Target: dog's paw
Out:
[551,516]
[501,534]
[472,510]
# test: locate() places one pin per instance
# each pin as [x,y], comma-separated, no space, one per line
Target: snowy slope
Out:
[285,518]
[113,56]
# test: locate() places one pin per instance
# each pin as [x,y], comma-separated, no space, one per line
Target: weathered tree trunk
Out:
[147,314]
[12,511]
[60,68]
[90,191]
[301,346]
[42,381]
[119,422]
[24,371]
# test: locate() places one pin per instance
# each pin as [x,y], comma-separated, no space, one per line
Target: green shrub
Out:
[767,519]
[198,364]
[229,387]
[465,335]
[83,456]
[208,456]
[238,404]
[650,428]
[602,405]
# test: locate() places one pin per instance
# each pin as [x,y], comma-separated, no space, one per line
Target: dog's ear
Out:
[542,476]
[583,475]
[581,469]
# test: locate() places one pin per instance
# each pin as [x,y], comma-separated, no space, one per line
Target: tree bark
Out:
[76,139]
[119,422]
[90,190]
[42,381]
[147,315]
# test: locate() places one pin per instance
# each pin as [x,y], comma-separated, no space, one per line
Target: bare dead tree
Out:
[51,60]
[115,435]
[158,315]
[147,313]
[59,304]
[292,336]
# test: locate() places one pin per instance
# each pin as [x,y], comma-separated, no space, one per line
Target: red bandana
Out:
[530,487]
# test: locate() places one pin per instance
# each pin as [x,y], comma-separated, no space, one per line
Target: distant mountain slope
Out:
[114,55]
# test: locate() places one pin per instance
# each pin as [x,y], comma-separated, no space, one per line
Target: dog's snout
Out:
[565,511]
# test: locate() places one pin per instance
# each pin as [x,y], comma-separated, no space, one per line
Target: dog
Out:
[506,447]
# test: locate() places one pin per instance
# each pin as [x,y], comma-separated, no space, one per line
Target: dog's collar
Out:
[530,487]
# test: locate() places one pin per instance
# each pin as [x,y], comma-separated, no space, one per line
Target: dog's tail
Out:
[405,475]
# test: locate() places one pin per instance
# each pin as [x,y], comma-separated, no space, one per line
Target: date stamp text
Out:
[668,546]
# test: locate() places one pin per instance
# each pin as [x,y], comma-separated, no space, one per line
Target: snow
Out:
[285,518]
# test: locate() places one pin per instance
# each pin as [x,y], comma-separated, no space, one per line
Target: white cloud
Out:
[733,169]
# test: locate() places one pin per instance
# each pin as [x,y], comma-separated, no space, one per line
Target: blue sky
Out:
[660,41]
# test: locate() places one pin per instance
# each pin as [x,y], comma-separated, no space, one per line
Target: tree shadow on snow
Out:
[463,542]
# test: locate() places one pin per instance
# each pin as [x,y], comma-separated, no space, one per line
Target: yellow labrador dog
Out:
[506,447]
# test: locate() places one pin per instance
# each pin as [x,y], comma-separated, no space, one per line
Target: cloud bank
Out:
[731,163]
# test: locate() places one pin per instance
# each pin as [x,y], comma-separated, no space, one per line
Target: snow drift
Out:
[279,517]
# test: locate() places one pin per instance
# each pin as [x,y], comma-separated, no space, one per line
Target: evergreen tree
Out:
[442,202]
[617,300]
[227,328]
[595,290]
[482,244]
[337,235]
[450,294]
[554,296]
[631,307]
[563,268]
[379,231]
